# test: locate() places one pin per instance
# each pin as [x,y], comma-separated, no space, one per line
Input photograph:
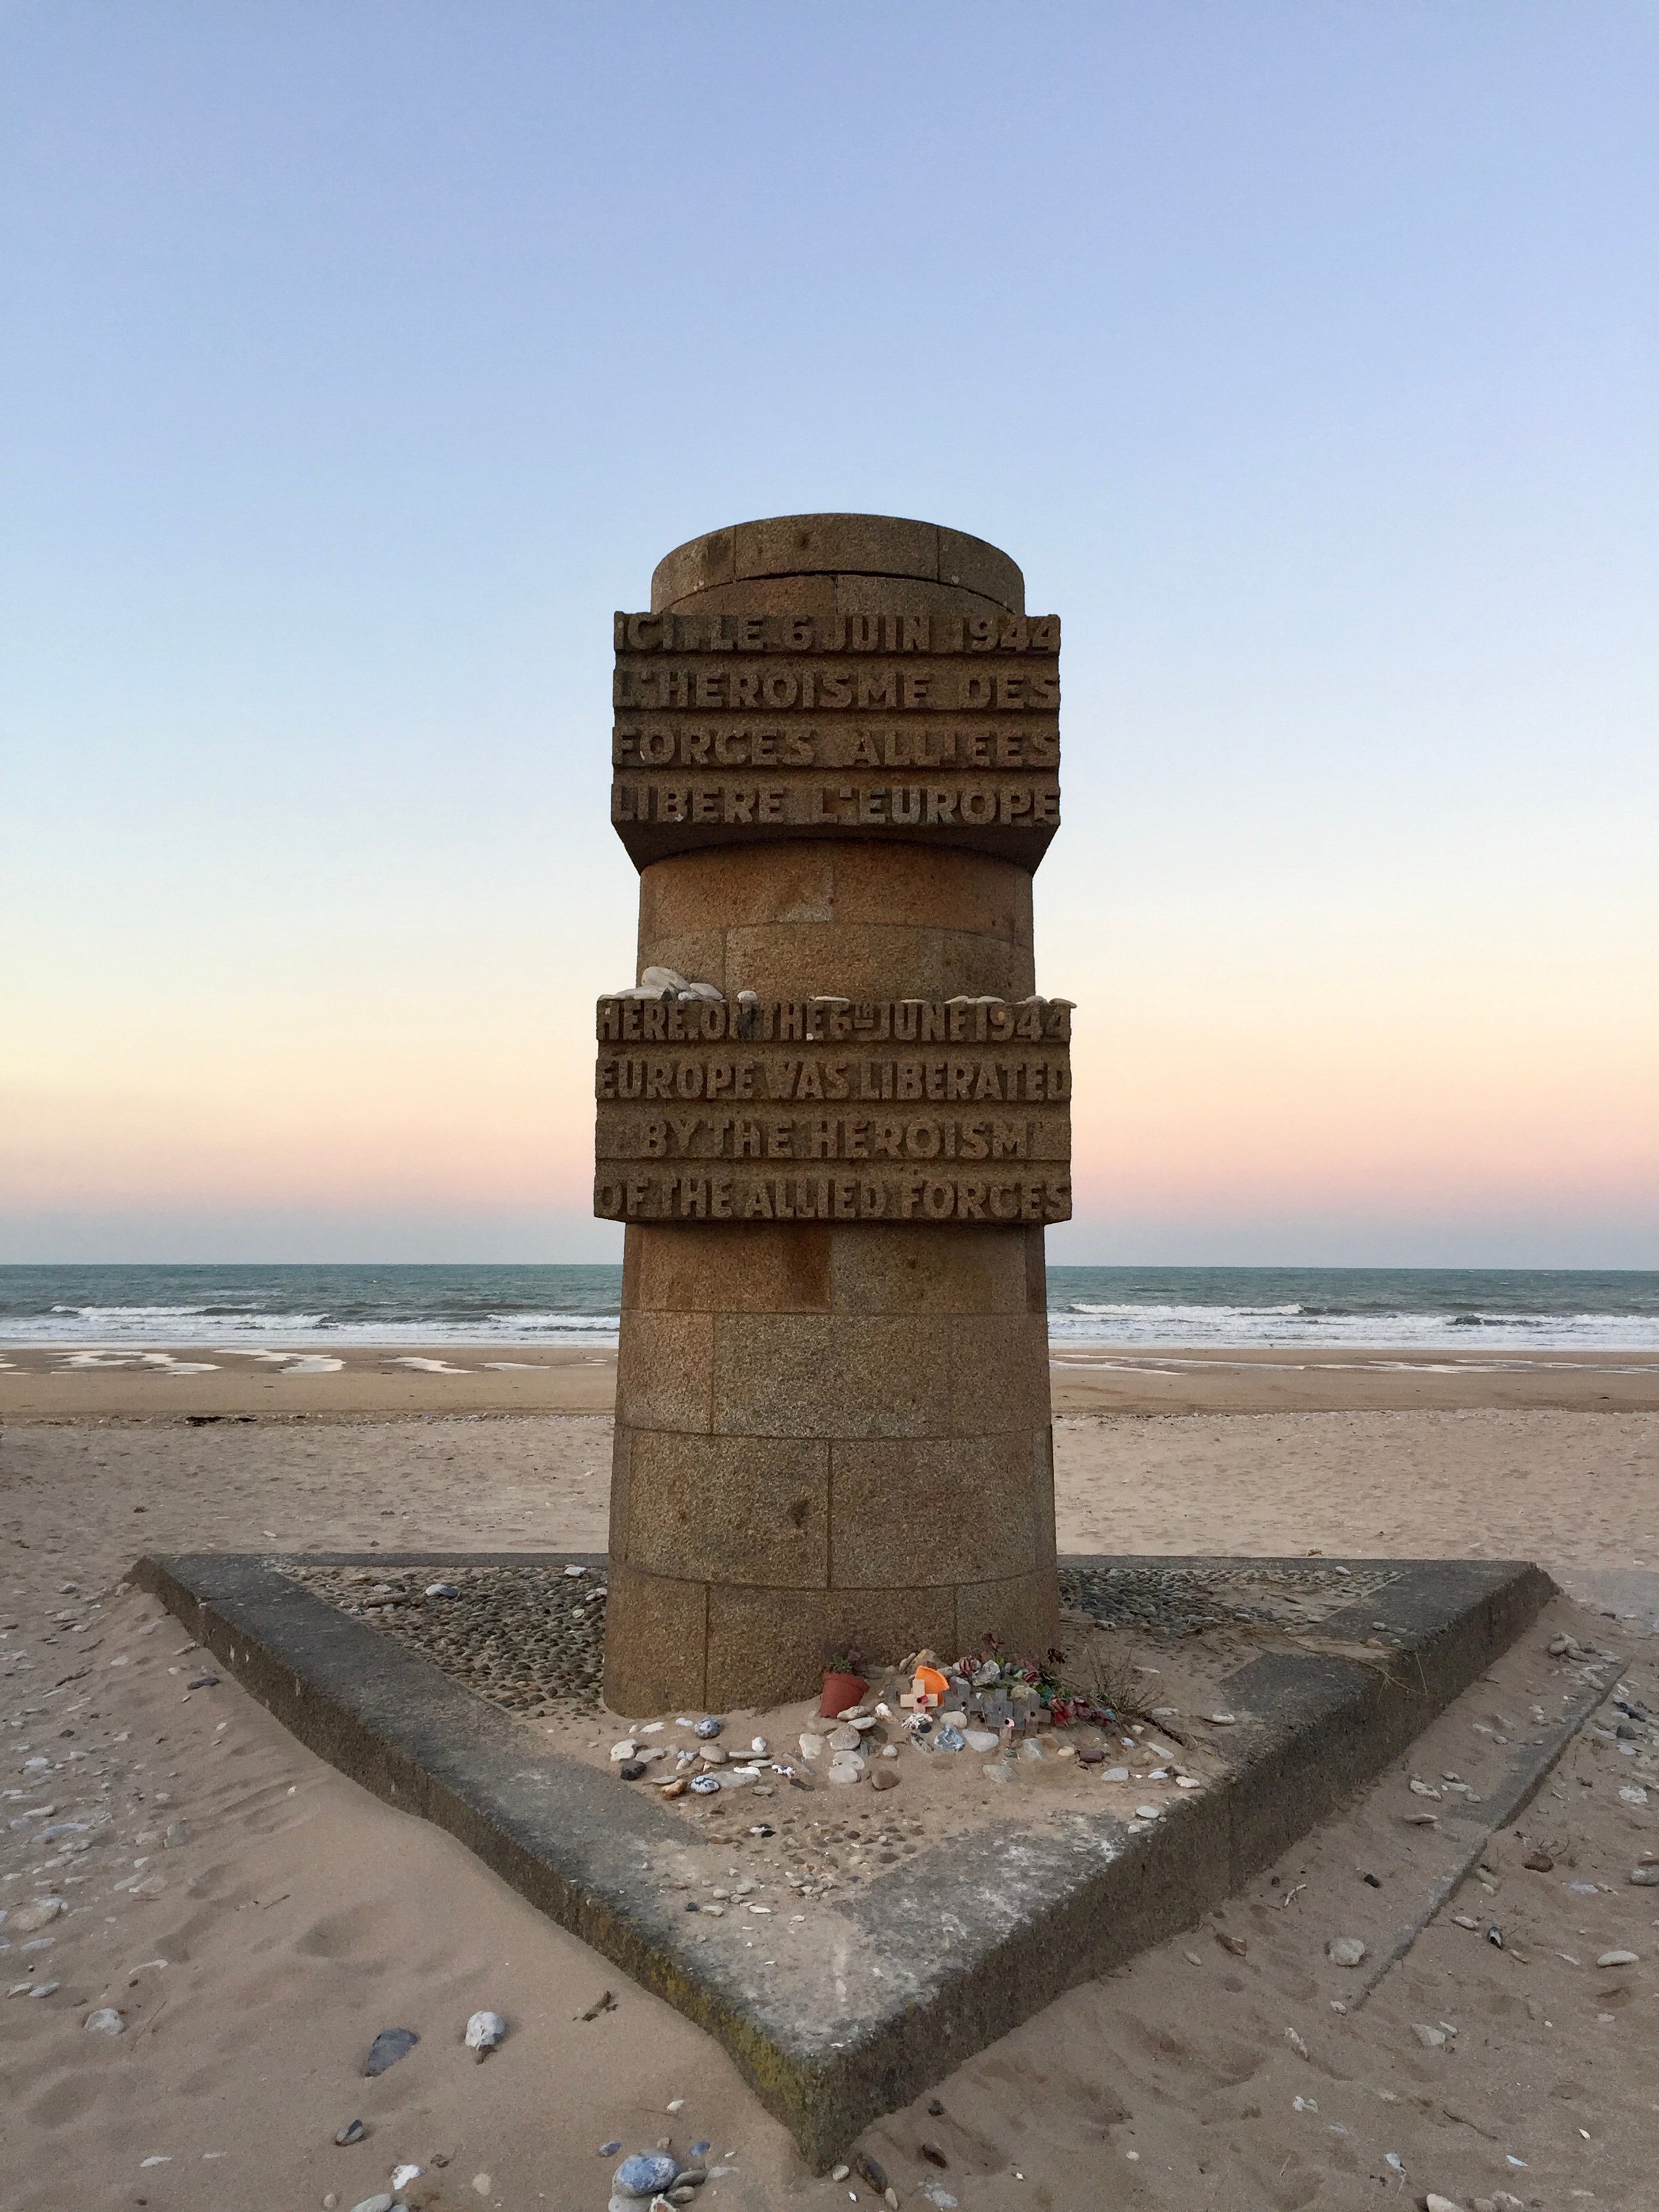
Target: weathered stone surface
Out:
[656,1641]
[666,1371]
[755,1266]
[1022,1613]
[868,544]
[790,549]
[764,1644]
[859,958]
[741,1509]
[951,1509]
[883,1310]
[837,882]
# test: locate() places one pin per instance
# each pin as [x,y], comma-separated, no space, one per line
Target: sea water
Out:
[1441,1309]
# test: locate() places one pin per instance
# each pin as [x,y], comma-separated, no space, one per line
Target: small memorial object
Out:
[843,1685]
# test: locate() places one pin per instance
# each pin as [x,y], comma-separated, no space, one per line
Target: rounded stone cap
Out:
[838,545]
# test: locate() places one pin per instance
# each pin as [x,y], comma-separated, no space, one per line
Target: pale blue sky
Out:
[357,361]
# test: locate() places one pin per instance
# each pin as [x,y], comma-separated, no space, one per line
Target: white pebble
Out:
[107,2021]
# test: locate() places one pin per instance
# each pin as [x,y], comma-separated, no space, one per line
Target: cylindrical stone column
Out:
[831,1432]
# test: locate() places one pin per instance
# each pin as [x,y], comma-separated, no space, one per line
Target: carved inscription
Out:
[903,1109]
[932,729]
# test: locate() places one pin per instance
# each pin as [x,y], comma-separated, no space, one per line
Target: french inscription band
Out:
[836,763]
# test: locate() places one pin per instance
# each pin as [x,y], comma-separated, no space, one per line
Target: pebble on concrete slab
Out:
[1345,1951]
[106,2021]
[1431,2038]
[647,2173]
[1619,1958]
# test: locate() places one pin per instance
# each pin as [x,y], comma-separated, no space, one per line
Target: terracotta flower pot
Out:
[840,1690]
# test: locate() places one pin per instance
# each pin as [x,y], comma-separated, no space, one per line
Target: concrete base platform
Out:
[890,1987]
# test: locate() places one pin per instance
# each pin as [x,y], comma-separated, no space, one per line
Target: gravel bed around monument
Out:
[529,1639]
[1186,1599]
[528,1636]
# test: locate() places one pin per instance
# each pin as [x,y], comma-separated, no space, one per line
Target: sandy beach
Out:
[347,1379]
[256,1918]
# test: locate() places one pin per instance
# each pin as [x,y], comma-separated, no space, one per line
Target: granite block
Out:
[731,1266]
[728,886]
[882,1268]
[801,1375]
[768,1646]
[867,544]
[875,961]
[656,1634]
[729,1509]
[665,1370]
[1022,1613]
[948,1509]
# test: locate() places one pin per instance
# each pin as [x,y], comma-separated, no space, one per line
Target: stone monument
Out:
[833,1115]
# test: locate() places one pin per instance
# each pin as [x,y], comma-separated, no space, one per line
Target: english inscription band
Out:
[752,1195]
[721,1111]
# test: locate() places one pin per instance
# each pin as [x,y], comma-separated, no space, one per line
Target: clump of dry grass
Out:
[1112,1683]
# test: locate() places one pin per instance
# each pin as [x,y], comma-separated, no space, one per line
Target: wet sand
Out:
[364,1379]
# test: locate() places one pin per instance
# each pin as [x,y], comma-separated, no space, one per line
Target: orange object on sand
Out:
[929,1683]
